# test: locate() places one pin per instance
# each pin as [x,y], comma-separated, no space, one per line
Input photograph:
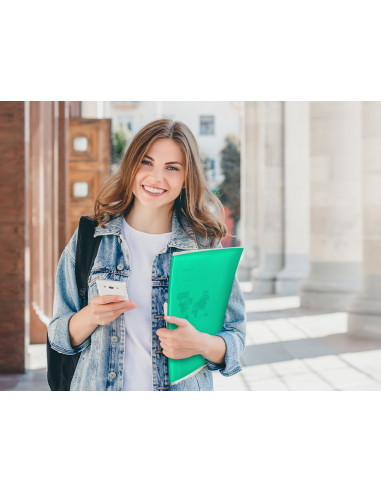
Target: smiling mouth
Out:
[152,190]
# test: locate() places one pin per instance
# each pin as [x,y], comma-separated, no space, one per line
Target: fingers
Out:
[175,320]
[106,318]
[105,309]
[106,299]
[114,307]
[111,303]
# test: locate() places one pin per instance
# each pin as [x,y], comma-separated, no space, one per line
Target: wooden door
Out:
[89,164]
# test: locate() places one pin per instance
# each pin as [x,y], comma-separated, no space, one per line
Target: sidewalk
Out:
[287,348]
[34,379]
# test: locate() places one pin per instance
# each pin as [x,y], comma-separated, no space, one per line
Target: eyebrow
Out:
[172,162]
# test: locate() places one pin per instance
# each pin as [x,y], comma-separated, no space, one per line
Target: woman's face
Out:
[161,175]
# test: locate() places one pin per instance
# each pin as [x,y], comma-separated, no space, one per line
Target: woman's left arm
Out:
[222,351]
[233,334]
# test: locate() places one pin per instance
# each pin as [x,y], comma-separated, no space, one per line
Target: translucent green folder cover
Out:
[200,284]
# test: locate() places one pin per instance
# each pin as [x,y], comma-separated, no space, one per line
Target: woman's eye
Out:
[172,168]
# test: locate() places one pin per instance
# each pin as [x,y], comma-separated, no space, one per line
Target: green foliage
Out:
[229,189]
[205,160]
[121,138]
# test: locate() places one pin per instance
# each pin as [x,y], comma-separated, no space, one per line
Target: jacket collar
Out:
[178,238]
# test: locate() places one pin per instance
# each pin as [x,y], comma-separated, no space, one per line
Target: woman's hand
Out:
[104,309]
[101,311]
[182,342]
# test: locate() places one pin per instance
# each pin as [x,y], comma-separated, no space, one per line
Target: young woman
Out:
[157,203]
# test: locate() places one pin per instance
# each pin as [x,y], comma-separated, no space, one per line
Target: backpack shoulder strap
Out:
[87,248]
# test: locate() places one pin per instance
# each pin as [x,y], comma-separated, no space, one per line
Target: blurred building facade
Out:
[48,180]
[33,149]
[311,206]
[210,122]
[55,157]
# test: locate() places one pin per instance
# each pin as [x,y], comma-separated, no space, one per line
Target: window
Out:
[206,125]
[81,189]
[211,164]
[80,144]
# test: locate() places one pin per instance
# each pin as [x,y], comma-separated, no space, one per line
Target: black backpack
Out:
[61,367]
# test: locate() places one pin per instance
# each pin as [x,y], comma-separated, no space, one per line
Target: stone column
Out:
[270,200]
[364,313]
[336,222]
[92,109]
[297,197]
[251,149]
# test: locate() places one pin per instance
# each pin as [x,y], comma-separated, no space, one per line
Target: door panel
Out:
[89,164]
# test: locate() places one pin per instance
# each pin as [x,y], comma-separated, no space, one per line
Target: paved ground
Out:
[288,348]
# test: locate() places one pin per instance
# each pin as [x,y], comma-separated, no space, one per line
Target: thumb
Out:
[175,320]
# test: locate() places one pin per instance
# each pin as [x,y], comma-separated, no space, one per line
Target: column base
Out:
[264,277]
[262,286]
[244,273]
[287,287]
[331,286]
[263,283]
[326,301]
[296,269]
[364,325]
[364,313]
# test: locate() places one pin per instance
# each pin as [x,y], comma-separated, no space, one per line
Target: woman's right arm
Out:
[66,302]
[101,311]
[70,327]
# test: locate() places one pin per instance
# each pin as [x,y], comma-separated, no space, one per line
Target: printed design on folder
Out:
[190,305]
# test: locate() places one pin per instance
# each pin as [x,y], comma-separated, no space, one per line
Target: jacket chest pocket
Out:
[96,275]
[104,274]
[107,274]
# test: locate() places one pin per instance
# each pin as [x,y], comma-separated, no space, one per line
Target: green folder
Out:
[200,284]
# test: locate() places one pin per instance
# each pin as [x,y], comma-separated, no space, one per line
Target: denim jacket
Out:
[100,366]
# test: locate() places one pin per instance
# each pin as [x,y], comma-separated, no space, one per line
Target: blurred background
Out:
[301,187]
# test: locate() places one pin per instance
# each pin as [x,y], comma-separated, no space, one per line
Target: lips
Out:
[152,193]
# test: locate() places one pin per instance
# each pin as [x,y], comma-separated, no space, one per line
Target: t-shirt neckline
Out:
[162,234]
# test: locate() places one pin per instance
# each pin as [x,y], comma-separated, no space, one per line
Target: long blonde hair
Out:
[116,197]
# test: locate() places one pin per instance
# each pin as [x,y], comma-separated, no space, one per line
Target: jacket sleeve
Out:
[233,332]
[66,302]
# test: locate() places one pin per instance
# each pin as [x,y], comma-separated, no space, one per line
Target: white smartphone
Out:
[112,288]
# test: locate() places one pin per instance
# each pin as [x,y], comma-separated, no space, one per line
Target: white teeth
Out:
[153,190]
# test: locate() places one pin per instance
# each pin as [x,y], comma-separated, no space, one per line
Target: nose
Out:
[158,173]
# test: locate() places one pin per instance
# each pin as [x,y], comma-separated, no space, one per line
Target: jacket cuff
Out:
[231,363]
[60,340]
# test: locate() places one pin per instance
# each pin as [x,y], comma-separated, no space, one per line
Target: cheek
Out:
[179,181]
[137,180]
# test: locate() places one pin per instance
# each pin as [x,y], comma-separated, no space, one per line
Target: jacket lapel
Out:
[178,239]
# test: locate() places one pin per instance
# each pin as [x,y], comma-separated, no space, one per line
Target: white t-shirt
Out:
[138,362]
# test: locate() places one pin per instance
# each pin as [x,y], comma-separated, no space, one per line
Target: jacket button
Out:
[120,266]
[114,339]
[112,375]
